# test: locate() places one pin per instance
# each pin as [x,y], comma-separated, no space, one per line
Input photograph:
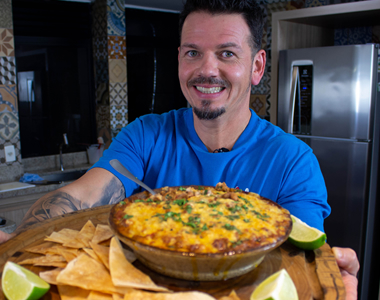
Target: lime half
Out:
[306,237]
[19,283]
[278,286]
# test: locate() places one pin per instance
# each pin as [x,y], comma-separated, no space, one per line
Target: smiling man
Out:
[218,139]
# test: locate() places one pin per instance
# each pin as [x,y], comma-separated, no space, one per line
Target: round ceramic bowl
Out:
[197,266]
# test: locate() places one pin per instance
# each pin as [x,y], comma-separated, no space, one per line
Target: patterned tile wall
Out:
[110,67]
[260,98]
[9,119]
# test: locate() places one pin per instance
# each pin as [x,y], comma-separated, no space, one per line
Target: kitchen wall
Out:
[9,120]
[261,97]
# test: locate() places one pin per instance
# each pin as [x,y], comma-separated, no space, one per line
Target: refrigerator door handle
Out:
[293,93]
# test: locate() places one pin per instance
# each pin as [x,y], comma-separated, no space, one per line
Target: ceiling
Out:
[166,5]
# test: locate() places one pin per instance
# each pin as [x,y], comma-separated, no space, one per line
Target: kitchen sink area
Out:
[61,176]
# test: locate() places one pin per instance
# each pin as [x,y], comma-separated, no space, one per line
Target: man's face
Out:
[215,63]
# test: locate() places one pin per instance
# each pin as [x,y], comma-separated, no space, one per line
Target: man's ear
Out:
[258,67]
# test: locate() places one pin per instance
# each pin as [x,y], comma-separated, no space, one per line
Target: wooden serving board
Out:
[314,273]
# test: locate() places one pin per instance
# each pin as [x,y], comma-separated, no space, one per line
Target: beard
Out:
[206,113]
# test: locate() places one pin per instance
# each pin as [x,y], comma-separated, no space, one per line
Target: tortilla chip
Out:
[42,259]
[56,250]
[52,264]
[51,276]
[92,254]
[68,255]
[99,296]
[87,273]
[142,295]
[72,292]
[102,252]
[86,234]
[102,233]
[74,244]
[117,297]
[63,236]
[124,274]
[106,243]
[231,296]
[42,248]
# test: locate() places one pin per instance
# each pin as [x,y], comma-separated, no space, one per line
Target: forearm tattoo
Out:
[59,203]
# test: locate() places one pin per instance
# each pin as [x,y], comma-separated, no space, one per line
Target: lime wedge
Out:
[19,283]
[306,237]
[278,286]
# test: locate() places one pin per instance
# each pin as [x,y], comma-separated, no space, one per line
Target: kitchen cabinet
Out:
[314,27]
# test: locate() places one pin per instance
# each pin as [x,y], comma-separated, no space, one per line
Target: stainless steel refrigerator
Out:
[328,97]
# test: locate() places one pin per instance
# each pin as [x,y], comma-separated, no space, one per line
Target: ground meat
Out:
[221,244]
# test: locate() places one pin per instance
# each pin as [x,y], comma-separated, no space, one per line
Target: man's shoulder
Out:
[166,116]
[274,136]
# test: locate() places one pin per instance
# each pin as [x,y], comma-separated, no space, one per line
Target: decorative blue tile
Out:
[7,70]
[360,35]
[9,125]
[115,17]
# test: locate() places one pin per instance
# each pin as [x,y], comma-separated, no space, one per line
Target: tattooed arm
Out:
[97,187]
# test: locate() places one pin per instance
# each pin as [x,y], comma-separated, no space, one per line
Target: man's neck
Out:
[222,132]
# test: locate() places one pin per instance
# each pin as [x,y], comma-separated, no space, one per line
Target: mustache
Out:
[207,80]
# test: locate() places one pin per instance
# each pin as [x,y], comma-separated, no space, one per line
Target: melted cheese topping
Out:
[210,220]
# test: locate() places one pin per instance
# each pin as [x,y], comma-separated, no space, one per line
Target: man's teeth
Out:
[208,90]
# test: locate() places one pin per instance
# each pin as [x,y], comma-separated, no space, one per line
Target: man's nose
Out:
[209,66]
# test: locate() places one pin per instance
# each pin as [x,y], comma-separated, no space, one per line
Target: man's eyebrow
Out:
[189,45]
[229,45]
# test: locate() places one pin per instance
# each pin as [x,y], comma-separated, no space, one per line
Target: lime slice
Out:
[19,283]
[278,286]
[306,237]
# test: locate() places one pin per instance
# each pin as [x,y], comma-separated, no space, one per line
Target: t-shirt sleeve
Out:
[303,191]
[128,148]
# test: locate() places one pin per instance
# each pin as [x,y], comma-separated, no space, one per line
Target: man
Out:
[219,139]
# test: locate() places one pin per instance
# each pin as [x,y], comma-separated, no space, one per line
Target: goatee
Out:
[205,113]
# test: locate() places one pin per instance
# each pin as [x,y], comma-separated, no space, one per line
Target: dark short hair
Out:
[249,9]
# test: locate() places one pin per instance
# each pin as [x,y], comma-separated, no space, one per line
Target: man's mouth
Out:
[212,90]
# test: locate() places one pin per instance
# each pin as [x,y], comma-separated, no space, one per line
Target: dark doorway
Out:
[53,50]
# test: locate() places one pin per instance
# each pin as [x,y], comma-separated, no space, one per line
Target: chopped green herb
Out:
[127,217]
[182,188]
[204,227]
[180,202]
[139,200]
[205,193]
[188,209]
[234,217]
[234,209]
[201,188]
[122,202]
[239,190]
[245,207]
[260,216]
[246,220]
[215,204]
[231,227]
[237,243]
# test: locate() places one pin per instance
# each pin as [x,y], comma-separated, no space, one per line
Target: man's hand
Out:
[349,266]
[5,236]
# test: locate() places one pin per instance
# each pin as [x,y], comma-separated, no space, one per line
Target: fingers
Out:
[351,284]
[347,260]
[4,236]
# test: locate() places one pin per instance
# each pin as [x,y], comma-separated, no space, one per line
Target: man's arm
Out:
[95,188]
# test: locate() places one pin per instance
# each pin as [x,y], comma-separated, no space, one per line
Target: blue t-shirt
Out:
[165,150]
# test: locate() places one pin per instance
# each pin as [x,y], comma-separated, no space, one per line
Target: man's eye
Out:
[192,53]
[227,54]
